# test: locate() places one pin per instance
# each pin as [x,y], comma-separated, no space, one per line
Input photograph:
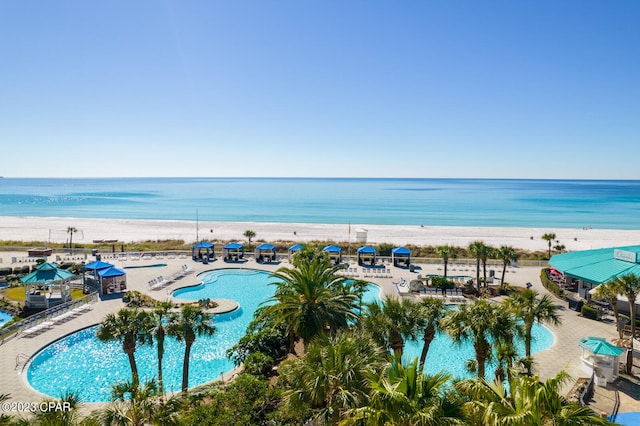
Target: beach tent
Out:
[47,286]
[94,267]
[233,251]
[265,253]
[367,255]
[112,280]
[401,255]
[293,250]
[600,357]
[335,253]
[197,251]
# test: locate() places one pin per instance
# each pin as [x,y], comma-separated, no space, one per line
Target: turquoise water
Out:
[4,318]
[612,204]
[81,363]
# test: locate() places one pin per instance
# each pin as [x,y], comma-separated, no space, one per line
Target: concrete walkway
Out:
[563,355]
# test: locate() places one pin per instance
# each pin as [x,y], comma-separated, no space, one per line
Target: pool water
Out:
[5,318]
[82,364]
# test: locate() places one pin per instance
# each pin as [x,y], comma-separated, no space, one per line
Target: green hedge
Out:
[589,312]
[551,286]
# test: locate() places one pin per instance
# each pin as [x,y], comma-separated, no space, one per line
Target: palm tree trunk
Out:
[185,368]
[527,340]
[504,269]
[134,369]
[445,268]
[478,274]
[632,312]
[160,338]
[427,338]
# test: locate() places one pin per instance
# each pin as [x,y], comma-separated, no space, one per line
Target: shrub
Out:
[551,286]
[589,312]
[258,364]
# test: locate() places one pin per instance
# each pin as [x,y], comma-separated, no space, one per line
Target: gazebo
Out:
[335,253]
[47,286]
[112,280]
[601,358]
[293,250]
[401,255]
[233,251]
[265,253]
[367,255]
[197,251]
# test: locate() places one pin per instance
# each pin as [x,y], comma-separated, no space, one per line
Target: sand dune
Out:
[54,229]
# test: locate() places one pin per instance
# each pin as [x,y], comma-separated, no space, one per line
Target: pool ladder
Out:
[21,357]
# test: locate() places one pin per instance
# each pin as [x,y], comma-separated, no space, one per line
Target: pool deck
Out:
[564,354]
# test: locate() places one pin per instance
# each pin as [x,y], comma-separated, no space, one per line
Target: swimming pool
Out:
[81,363]
[5,317]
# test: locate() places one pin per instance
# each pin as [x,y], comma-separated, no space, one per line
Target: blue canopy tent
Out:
[197,251]
[367,255]
[293,250]
[94,267]
[401,255]
[335,253]
[112,280]
[265,253]
[233,251]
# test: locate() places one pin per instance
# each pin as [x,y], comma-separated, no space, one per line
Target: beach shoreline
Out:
[54,229]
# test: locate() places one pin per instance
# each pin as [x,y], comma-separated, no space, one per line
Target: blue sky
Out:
[513,89]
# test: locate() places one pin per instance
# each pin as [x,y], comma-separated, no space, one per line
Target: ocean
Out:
[610,204]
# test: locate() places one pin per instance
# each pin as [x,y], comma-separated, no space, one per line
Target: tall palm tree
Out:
[249,234]
[190,323]
[528,402]
[530,308]
[507,254]
[480,322]
[447,252]
[629,285]
[129,326]
[309,299]
[482,252]
[391,323]
[331,376]
[429,312]
[71,230]
[159,315]
[549,237]
[402,395]
[609,292]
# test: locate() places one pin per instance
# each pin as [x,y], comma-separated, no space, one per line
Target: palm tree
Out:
[71,230]
[402,395]
[559,248]
[429,312]
[133,405]
[530,308]
[358,287]
[529,402]
[331,376]
[190,323]
[249,234]
[629,285]
[609,292]
[4,418]
[549,238]
[392,322]
[447,252]
[129,326]
[507,254]
[159,315]
[480,322]
[481,251]
[310,301]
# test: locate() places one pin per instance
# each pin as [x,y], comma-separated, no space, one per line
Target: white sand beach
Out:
[54,229]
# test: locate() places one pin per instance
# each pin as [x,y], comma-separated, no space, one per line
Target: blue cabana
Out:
[203,246]
[94,267]
[233,251]
[367,255]
[265,253]
[293,250]
[335,253]
[112,280]
[401,255]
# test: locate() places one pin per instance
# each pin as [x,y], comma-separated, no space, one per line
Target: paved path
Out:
[563,355]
